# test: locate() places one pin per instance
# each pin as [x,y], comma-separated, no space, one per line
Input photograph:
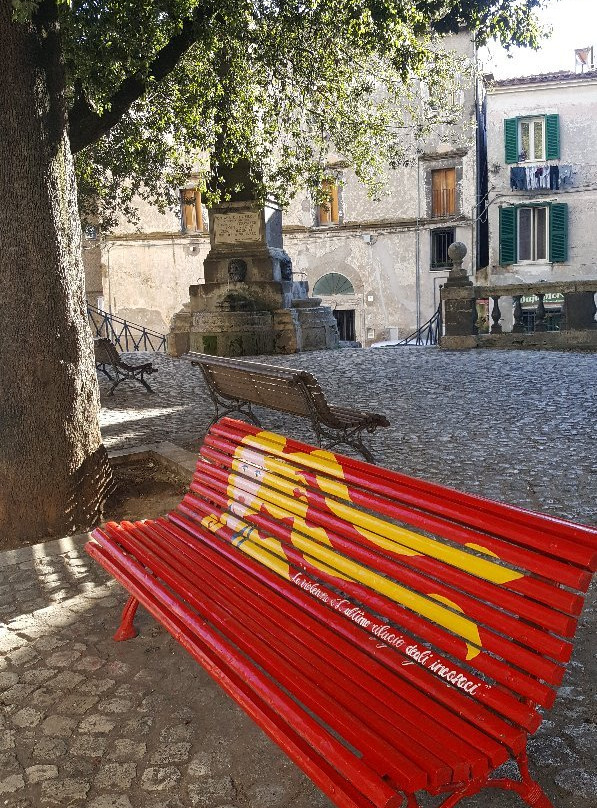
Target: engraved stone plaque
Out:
[236,228]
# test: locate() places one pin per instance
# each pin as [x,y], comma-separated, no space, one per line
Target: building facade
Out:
[378,264]
[542,185]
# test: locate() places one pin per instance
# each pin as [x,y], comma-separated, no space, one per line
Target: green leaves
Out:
[281,86]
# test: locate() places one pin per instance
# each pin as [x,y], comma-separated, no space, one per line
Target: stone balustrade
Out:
[506,325]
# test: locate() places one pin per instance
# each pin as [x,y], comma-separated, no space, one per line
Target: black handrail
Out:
[428,334]
[127,337]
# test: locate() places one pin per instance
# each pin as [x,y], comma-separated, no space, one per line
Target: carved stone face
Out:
[237,270]
[286,268]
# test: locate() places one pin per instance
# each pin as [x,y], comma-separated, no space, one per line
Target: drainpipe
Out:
[418,248]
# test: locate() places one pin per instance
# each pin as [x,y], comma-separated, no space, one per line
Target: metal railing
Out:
[127,337]
[428,334]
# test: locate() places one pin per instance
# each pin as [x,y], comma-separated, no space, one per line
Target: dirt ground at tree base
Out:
[145,489]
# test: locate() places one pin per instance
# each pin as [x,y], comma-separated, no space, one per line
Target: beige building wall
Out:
[383,247]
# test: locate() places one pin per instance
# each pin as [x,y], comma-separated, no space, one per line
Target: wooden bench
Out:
[106,355]
[391,635]
[235,385]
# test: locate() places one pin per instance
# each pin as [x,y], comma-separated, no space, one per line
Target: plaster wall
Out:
[383,246]
[575,101]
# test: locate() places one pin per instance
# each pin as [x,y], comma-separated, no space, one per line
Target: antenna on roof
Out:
[583,58]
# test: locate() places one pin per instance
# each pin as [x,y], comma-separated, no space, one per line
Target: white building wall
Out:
[575,101]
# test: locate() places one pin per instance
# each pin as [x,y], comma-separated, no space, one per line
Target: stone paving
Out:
[85,721]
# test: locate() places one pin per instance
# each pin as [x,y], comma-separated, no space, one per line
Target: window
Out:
[333,284]
[533,233]
[192,214]
[329,211]
[532,138]
[440,241]
[443,192]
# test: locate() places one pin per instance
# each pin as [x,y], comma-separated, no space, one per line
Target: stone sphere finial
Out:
[456,251]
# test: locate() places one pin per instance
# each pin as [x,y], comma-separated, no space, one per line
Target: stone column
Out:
[459,304]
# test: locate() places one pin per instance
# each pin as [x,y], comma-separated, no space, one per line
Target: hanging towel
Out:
[565,176]
[554,178]
[518,178]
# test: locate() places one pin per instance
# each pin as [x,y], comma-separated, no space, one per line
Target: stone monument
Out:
[249,304]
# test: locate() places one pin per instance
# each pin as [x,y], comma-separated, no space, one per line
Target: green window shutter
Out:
[558,232]
[511,139]
[552,137]
[507,236]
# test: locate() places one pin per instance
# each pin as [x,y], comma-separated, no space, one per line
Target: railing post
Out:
[518,327]
[460,310]
[540,324]
[496,315]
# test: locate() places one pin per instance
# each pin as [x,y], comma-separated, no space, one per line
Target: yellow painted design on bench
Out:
[399,594]
[472,650]
[394,538]
[480,549]
[480,567]
[319,459]
[244,541]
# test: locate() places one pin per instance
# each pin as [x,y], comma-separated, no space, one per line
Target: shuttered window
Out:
[558,232]
[443,192]
[192,214]
[507,236]
[329,211]
[532,139]
[533,233]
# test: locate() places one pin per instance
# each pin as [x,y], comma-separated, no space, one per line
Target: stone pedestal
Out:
[249,303]
[459,304]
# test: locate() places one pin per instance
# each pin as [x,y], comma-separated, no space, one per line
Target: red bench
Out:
[391,635]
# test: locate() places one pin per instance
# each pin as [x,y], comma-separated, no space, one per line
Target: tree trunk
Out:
[54,473]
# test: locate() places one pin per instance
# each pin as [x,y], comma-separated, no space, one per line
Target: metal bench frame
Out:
[250,572]
[333,425]
[106,355]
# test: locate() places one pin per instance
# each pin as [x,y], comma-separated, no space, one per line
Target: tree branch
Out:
[86,125]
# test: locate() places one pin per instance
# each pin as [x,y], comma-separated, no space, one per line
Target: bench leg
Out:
[527,789]
[144,383]
[126,630]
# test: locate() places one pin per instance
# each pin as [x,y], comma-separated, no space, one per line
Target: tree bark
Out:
[54,473]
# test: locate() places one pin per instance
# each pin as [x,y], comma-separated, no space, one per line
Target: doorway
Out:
[345,319]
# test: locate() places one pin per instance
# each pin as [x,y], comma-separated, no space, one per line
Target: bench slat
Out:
[526,560]
[221,656]
[432,695]
[340,789]
[337,675]
[430,608]
[472,710]
[537,531]
[382,756]
[553,620]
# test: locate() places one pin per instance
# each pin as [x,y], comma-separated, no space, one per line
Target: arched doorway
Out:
[337,291]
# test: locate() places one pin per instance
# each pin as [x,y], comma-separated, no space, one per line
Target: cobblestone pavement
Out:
[88,722]
[517,426]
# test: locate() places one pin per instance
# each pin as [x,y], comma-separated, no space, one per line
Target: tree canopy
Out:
[159,87]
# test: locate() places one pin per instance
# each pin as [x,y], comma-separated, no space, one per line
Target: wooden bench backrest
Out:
[105,351]
[475,600]
[279,388]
